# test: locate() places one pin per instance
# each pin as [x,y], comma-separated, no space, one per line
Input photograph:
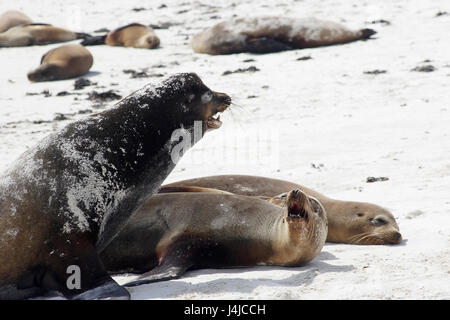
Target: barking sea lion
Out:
[65,199]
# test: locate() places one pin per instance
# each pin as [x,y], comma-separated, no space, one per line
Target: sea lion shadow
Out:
[174,288]
[324,255]
[89,74]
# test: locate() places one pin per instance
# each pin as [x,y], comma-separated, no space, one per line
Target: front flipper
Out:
[265,45]
[178,258]
[80,273]
[92,40]
[109,290]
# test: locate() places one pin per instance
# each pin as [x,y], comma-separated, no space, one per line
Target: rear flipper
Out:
[93,41]
[178,259]
[265,45]
[108,290]
[367,33]
[160,273]
[81,35]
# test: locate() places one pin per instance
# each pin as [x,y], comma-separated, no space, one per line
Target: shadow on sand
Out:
[303,276]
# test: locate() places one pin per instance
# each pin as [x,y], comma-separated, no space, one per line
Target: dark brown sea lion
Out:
[273,34]
[65,62]
[65,199]
[348,221]
[175,232]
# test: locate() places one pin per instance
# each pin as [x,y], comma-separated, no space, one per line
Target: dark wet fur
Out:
[367,33]
[93,40]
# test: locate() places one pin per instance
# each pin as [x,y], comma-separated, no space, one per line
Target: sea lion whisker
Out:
[357,237]
[236,105]
[372,238]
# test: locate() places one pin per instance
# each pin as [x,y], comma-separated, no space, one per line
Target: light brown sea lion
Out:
[134,35]
[348,221]
[13,18]
[37,34]
[65,199]
[273,34]
[65,62]
[175,232]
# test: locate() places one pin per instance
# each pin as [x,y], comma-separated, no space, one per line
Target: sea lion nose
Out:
[398,236]
[295,192]
[223,98]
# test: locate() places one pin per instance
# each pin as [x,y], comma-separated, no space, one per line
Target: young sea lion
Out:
[65,199]
[175,232]
[65,62]
[13,18]
[134,35]
[273,34]
[348,221]
[37,34]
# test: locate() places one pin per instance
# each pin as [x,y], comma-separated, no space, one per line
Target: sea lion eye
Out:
[207,97]
[283,196]
[379,221]
[359,214]
[315,205]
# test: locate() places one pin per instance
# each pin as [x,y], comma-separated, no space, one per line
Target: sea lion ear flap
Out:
[265,45]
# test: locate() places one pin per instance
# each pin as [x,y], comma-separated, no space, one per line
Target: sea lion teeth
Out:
[214,123]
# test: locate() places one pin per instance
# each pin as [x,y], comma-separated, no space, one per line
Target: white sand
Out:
[320,122]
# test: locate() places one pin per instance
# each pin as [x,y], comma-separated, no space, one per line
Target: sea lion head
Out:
[45,72]
[372,224]
[195,101]
[150,41]
[307,222]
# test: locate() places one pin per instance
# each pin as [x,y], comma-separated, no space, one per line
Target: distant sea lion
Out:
[37,34]
[348,221]
[273,34]
[13,18]
[175,232]
[65,62]
[65,199]
[132,35]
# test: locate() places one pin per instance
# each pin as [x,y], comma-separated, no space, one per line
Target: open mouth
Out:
[295,210]
[214,122]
